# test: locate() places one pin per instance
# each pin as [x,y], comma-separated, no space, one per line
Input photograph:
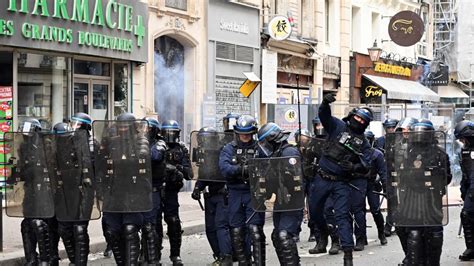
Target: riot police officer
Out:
[273,143]
[365,187]
[464,133]
[178,167]
[73,167]
[123,167]
[318,129]
[337,164]
[215,199]
[416,205]
[242,218]
[229,121]
[151,238]
[35,230]
[389,126]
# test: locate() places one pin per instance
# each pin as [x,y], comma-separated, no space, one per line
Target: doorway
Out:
[92,96]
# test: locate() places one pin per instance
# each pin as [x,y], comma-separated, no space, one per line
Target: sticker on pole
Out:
[249,84]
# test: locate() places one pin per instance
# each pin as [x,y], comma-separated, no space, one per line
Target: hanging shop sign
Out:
[440,78]
[279,28]
[392,69]
[406,28]
[106,28]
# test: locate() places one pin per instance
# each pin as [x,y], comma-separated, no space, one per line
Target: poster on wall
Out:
[6,102]
[5,126]
[286,116]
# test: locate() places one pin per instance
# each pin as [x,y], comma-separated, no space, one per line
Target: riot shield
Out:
[417,178]
[70,162]
[123,166]
[205,150]
[311,150]
[29,190]
[276,179]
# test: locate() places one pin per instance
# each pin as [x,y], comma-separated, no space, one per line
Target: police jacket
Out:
[380,143]
[335,128]
[178,156]
[158,163]
[377,166]
[467,168]
[231,161]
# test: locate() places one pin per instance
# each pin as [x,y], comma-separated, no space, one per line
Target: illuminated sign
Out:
[373,91]
[392,69]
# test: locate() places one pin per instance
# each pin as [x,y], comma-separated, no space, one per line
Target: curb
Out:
[97,244]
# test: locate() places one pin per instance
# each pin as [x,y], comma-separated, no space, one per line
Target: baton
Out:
[460,230]
[200,204]
[356,188]
[384,195]
[353,218]
[380,204]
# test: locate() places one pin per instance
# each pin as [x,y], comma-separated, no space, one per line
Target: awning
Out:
[404,89]
[451,91]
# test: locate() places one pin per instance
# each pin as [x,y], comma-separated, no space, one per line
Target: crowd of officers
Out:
[343,165]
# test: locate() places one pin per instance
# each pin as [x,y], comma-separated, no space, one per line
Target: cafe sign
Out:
[392,69]
[373,91]
[406,28]
[279,28]
[105,28]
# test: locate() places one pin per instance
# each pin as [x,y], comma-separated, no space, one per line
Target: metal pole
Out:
[1,220]
[470,87]
[298,99]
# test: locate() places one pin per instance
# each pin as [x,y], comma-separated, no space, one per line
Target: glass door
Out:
[91,96]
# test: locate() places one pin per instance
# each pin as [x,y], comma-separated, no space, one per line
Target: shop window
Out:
[120,88]
[6,65]
[42,88]
[91,68]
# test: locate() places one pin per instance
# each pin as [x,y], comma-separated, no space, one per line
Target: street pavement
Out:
[196,250]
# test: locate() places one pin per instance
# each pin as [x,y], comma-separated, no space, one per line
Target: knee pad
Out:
[172,220]
[255,232]
[283,235]
[414,234]
[80,231]
[130,230]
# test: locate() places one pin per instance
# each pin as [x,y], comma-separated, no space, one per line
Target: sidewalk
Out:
[191,215]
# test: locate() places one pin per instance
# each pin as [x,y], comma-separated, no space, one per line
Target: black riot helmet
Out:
[423,132]
[270,137]
[390,124]
[464,132]
[154,128]
[229,121]
[406,124]
[208,137]
[170,131]
[123,127]
[81,121]
[61,128]
[318,128]
[370,137]
[303,137]
[359,119]
[30,125]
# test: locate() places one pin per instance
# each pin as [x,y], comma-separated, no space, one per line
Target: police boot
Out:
[149,244]
[360,243]
[258,244]
[414,255]
[348,257]
[131,244]
[81,243]
[378,218]
[387,229]
[114,240]
[289,250]
[468,226]
[335,245]
[174,235]
[159,240]
[403,236]
[54,238]
[225,260]
[29,243]
[312,237]
[322,243]
[237,236]
[44,242]
[67,235]
[433,246]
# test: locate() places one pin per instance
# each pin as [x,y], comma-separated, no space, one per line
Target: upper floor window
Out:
[178,4]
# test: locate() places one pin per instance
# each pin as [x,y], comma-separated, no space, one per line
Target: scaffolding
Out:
[445,18]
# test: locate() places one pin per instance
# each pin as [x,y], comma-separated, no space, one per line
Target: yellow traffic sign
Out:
[249,84]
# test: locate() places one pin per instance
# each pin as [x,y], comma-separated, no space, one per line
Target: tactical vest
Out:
[242,154]
[467,164]
[175,154]
[346,147]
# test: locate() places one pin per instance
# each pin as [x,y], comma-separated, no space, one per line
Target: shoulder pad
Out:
[234,143]
[183,146]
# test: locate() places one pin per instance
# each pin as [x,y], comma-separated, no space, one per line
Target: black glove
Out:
[196,195]
[180,167]
[378,186]
[329,98]
[245,171]
[346,166]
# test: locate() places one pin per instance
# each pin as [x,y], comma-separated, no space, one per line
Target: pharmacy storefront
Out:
[58,57]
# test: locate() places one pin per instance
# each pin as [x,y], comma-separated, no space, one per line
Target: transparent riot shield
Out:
[205,150]
[70,162]
[29,191]
[123,166]
[311,150]
[277,180]
[417,178]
